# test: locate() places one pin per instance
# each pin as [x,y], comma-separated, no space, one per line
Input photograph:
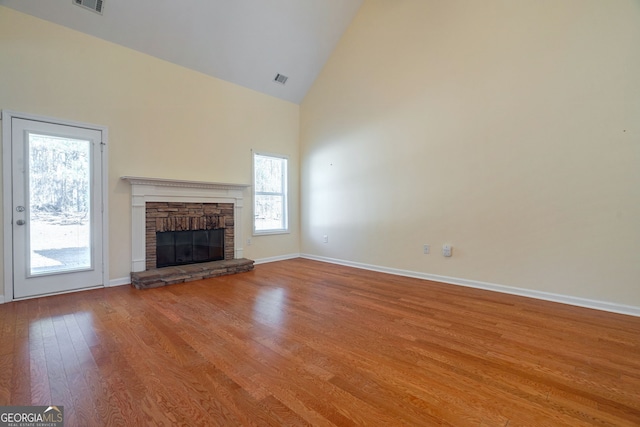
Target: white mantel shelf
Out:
[164,182]
[145,190]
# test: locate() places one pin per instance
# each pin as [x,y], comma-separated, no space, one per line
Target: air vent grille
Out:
[93,5]
[280,78]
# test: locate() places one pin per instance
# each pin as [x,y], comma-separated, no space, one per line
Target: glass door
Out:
[57,218]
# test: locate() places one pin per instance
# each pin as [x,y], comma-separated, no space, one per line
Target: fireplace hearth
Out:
[158,277]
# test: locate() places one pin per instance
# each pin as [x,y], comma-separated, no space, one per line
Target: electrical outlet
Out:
[248,242]
[426,249]
[447,250]
[325,238]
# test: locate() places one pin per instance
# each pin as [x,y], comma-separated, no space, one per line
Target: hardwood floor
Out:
[305,343]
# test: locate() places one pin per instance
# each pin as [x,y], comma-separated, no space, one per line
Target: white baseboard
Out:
[276,258]
[547,296]
[119,282]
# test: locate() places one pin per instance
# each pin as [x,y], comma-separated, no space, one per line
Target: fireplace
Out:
[158,190]
[180,233]
[198,208]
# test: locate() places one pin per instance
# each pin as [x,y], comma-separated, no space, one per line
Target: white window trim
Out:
[286,195]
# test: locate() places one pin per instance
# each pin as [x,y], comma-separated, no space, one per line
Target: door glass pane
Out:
[59,204]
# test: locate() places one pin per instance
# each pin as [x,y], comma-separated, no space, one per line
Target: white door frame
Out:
[7,208]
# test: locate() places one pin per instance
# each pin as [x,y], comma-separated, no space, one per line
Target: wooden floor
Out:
[305,343]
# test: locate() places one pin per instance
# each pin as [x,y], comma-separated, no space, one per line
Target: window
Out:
[270,194]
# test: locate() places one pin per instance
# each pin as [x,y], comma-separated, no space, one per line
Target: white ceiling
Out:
[246,42]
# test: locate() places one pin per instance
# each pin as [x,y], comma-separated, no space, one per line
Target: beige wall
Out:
[508,129]
[164,120]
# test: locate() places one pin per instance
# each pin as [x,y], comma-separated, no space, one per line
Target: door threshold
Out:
[57,293]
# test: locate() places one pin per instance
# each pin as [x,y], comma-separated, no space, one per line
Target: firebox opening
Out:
[189,247]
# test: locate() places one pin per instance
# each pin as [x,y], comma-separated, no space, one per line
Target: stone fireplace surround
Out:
[192,193]
[177,216]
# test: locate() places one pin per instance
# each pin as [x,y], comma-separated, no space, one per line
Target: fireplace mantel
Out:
[162,182]
[145,190]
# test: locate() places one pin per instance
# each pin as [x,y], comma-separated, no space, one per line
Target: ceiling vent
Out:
[94,5]
[280,78]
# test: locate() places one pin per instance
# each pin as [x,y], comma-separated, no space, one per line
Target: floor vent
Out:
[280,78]
[94,5]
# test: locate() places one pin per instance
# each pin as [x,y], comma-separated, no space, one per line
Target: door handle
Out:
[20,222]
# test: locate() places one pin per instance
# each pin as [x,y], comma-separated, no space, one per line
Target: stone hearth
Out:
[158,277]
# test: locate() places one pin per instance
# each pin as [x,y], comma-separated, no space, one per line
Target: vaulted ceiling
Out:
[246,42]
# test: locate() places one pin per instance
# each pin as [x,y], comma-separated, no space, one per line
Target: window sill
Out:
[270,232]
